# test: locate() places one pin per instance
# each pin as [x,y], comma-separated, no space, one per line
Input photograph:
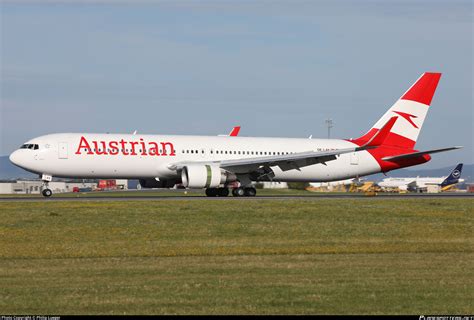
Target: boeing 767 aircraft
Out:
[218,163]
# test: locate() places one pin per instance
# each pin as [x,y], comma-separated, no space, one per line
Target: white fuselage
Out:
[66,155]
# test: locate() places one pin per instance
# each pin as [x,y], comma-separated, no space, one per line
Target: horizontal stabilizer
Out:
[418,154]
[379,138]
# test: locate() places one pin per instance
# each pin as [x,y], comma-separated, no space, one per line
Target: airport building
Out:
[274,185]
[34,186]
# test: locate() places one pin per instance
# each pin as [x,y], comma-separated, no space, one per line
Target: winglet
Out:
[234,132]
[381,135]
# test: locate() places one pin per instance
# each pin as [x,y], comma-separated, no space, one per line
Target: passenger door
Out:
[62,150]
[354,159]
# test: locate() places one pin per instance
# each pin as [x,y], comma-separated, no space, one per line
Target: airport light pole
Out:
[329,124]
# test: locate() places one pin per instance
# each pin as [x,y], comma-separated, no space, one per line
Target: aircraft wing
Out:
[295,160]
[285,162]
[412,186]
[418,154]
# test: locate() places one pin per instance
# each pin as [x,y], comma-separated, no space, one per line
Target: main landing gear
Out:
[46,191]
[236,192]
[217,192]
[244,192]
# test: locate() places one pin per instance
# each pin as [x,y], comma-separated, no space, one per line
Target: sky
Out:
[277,68]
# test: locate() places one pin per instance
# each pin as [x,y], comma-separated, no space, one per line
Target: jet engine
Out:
[153,183]
[205,176]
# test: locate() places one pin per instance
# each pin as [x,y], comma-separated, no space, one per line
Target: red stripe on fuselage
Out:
[393,145]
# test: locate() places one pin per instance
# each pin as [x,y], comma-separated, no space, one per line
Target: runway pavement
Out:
[310,197]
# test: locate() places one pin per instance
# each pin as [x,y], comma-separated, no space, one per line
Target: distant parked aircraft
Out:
[218,163]
[421,184]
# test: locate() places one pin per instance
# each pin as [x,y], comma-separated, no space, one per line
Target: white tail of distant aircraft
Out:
[217,162]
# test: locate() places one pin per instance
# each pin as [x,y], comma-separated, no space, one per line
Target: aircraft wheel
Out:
[238,192]
[250,192]
[211,192]
[222,192]
[47,193]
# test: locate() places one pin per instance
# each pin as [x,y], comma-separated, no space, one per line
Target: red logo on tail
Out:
[407,117]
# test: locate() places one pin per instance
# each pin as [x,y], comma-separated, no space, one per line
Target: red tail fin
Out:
[411,108]
[423,90]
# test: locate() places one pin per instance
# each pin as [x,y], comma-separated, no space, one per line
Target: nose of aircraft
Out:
[15,158]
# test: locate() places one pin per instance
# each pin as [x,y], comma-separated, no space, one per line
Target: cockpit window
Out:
[30,146]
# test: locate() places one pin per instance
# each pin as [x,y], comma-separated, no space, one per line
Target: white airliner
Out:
[422,183]
[218,163]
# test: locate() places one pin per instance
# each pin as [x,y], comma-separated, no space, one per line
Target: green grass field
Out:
[165,193]
[315,256]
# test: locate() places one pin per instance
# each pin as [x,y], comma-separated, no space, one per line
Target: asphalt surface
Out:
[266,197]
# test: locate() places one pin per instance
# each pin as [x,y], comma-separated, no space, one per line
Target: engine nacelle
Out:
[205,176]
[153,183]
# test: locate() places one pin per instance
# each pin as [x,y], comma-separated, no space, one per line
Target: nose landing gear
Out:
[46,192]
